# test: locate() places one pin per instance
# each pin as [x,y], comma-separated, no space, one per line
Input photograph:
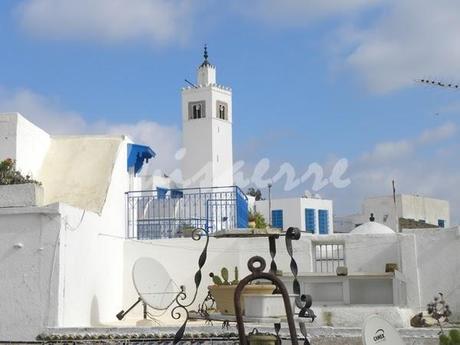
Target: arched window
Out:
[196,110]
[222,111]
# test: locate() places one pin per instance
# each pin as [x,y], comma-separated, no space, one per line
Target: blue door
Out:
[277,219]
[323,223]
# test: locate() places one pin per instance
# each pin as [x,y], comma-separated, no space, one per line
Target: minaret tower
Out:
[207,130]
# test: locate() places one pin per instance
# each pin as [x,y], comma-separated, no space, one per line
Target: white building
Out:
[66,259]
[207,131]
[420,209]
[62,254]
[308,214]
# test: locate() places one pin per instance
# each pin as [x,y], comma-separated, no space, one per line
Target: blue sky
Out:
[313,81]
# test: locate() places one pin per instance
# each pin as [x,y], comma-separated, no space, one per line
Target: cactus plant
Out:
[236,280]
[216,279]
[224,274]
[223,280]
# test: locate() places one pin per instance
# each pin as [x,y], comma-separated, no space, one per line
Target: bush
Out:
[452,338]
[258,219]
[9,174]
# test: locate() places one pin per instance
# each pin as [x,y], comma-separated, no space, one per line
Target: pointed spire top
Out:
[205,55]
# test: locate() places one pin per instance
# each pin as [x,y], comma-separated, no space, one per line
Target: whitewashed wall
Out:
[436,269]
[92,277]
[70,270]
[429,209]
[23,141]
[294,211]
[29,275]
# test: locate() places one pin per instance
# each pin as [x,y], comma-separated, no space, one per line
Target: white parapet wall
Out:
[29,271]
[21,195]
[24,142]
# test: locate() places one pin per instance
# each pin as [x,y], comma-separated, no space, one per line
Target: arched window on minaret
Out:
[222,110]
[196,110]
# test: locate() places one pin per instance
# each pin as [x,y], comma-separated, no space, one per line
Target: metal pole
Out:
[269,205]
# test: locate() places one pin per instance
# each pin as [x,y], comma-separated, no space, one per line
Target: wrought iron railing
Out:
[168,213]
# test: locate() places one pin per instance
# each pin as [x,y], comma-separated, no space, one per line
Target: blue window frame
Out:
[277,219]
[310,220]
[323,222]
[441,223]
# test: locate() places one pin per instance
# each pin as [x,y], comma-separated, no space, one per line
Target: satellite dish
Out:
[379,331]
[153,283]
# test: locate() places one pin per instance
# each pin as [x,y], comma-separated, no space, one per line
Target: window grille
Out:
[328,256]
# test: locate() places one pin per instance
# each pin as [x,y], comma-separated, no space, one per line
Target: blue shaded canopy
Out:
[137,155]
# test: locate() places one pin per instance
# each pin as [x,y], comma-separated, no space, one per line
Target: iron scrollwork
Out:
[181,298]
[257,265]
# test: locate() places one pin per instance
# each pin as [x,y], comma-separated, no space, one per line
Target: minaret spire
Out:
[206,62]
[205,55]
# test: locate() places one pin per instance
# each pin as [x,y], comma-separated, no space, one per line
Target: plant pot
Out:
[225,294]
[266,305]
[262,339]
[21,195]
[252,224]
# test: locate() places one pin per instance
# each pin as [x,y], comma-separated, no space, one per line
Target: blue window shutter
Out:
[310,221]
[323,223]
[176,194]
[161,192]
[277,219]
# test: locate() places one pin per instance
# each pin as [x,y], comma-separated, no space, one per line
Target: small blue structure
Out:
[138,155]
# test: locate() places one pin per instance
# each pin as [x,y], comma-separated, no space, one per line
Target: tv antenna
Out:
[191,84]
[437,83]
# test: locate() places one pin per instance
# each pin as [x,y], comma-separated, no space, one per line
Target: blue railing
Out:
[168,213]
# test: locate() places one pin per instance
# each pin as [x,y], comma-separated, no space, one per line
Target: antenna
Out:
[189,82]
[437,83]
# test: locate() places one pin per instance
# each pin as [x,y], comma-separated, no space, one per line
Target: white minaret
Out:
[207,131]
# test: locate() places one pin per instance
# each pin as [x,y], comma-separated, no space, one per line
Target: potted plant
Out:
[223,291]
[256,220]
[17,190]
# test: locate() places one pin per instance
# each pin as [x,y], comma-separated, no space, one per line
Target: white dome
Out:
[372,228]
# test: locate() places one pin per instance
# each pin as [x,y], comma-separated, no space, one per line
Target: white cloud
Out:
[164,140]
[52,117]
[393,150]
[437,134]
[301,12]
[389,150]
[159,21]
[432,174]
[411,39]
[41,111]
